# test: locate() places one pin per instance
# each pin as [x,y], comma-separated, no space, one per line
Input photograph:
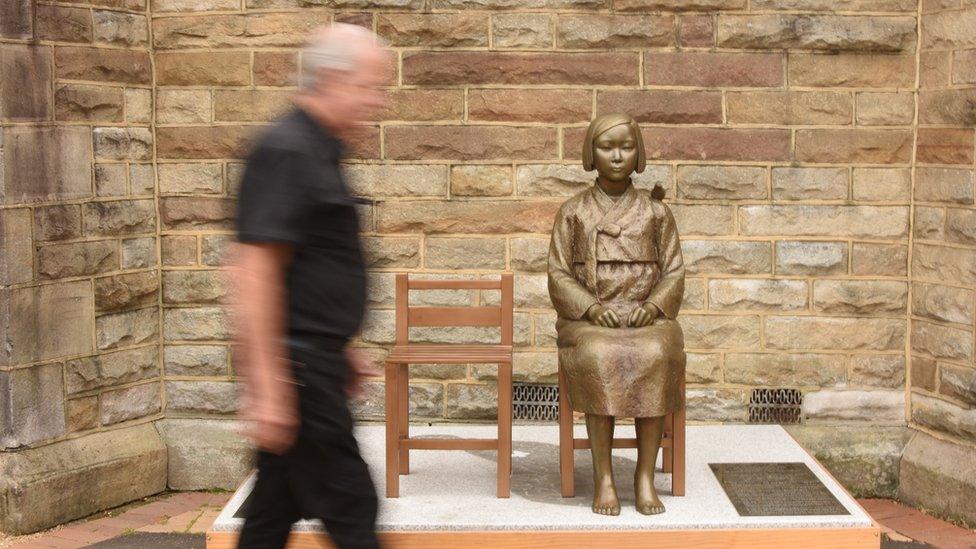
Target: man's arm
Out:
[271,403]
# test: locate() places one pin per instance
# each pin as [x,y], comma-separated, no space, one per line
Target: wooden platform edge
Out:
[753,538]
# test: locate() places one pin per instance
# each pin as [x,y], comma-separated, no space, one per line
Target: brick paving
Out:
[181,519]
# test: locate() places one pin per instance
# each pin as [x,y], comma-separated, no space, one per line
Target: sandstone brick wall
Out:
[943,273]
[79,280]
[782,131]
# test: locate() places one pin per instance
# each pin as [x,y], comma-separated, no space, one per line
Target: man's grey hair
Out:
[337,47]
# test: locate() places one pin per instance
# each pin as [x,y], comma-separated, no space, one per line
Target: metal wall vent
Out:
[535,402]
[775,406]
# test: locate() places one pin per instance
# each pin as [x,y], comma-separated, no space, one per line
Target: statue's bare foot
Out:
[605,500]
[647,500]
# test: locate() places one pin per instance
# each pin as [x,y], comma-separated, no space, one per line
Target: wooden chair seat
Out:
[451,354]
[397,387]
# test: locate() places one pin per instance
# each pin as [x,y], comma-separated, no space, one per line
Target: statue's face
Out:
[615,153]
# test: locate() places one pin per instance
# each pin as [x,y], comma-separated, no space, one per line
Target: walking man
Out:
[301,289]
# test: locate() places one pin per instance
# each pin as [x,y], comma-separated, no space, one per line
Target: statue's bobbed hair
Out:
[603,123]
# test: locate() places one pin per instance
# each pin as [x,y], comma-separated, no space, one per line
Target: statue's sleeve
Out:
[570,299]
[669,290]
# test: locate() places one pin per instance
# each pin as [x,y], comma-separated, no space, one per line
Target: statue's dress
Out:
[622,253]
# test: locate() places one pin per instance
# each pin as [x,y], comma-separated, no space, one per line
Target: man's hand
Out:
[271,411]
[643,315]
[360,367]
[602,316]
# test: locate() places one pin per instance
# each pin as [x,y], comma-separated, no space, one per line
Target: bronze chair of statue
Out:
[404,353]
[672,445]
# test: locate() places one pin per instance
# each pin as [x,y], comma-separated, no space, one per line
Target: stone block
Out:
[694,296]
[139,253]
[259,30]
[182,287]
[796,370]
[205,453]
[529,253]
[470,142]
[944,185]
[82,414]
[195,178]
[196,324]
[882,184]
[119,217]
[757,294]
[811,258]
[696,30]
[864,459]
[714,69]
[521,30]
[703,368]
[852,70]
[25,68]
[66,310]
[886,371]
[213,249]
[856,146]
[45,163]
[405,180]
[810,183]
[111,180]
[860,297]
[839,5]
[702,219]
[142,179]
[716,331]
[195,360]
[707,144]
[275,68]
[60,482]
[179,250]
[92,103]
[958,382]
[721,182]
[77,259]
[388,252]
[464,253]
[879,407]
[203,142]
[663,106]
[196,213]
[423,105]
[471,401]
[449,68]
[942,341]
[178,106]
[961,226]
[129,403]
[943,303]
[520,4]
[108,369]
[568,179]
[16,246]
[126,291]
[933,69]
[103,65]
[925,373]
[789,107]
[138,105]
[434,30]
[834,333]
[614,31]
[33,407]
[939,475]
[116,143]
[530,105]
[943,416]
[885,108]
[944,146]
[194,5]
[478,217]
[948,29]
[244,105]
[963,67]
[929,223]
[723,405]
[201,397]
[128,328]
[17,19]
[481,180]
[726,257]
[879,259]
[817,32]
[120,29]
[881,222]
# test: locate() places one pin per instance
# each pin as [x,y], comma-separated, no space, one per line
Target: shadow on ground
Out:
[146,540]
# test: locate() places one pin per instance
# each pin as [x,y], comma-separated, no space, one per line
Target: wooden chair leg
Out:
[392,389]
[504,464]
[566,455]
[403,392]
[667,458]
[678,476]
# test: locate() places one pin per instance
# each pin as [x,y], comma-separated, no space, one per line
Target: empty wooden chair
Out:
[672,444]
[398,441]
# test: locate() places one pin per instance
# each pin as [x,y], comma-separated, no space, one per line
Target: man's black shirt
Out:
[293,192]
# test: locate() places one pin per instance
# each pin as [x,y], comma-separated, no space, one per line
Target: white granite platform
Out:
[455,490]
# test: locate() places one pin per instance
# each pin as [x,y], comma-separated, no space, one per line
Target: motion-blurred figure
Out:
[301,289]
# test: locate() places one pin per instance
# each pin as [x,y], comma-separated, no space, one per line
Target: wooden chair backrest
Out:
[407,316]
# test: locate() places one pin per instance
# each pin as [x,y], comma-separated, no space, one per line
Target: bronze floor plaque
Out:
[775,489]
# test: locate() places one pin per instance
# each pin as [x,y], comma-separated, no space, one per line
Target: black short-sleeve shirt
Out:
[293,192]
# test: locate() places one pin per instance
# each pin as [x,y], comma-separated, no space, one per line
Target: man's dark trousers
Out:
[322,476]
